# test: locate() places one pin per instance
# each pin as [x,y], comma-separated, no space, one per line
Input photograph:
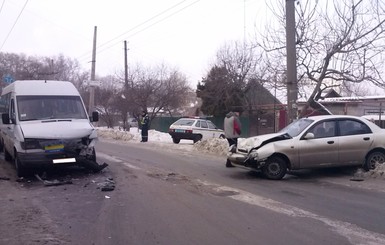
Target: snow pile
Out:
[216,146]
[378,172]
[212,146]
[115,134]
[133,135]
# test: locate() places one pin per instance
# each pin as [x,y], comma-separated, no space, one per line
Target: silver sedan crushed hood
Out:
[258,141]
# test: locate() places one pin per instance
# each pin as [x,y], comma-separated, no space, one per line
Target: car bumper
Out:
[237,158]
[42,159]
[184,136]
[243,160]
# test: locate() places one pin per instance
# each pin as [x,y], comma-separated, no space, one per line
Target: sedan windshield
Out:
[295,128]
[50,107]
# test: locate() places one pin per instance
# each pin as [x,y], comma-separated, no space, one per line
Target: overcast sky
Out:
[180,33]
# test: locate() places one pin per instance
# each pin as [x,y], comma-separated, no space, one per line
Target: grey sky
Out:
[180,33]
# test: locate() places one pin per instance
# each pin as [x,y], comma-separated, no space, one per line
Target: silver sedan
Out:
[313,142]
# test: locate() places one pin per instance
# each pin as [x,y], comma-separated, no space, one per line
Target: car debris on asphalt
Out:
[108,185]
[54,182]
[358,176]
[93,165]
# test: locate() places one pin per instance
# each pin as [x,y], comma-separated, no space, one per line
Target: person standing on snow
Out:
[232,127]
[144,126]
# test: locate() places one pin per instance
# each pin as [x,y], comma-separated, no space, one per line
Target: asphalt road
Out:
[164,195]
[187,198]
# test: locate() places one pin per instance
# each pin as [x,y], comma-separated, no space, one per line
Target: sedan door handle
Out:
[367,138]
[330,142]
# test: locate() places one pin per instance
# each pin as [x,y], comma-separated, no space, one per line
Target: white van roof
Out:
[41,87]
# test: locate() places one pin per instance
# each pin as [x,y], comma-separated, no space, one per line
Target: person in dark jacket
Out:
[144,126]
[232,127]
[144,122]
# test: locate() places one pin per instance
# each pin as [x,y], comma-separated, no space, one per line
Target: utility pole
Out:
[125,66]
[291,62]
[92,86]
[125,109]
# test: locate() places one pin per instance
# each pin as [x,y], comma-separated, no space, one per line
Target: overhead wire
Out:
[14,24]
[141,24]
[147,27]
[2,5]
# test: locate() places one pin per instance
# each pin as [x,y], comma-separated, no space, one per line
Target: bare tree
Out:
[156,89]
[237,68]
[105,101]
[338,41]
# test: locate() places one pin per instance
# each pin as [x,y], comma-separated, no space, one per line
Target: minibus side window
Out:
[12,115]
[4,103]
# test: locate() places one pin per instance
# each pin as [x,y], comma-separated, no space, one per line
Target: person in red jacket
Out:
[232,127]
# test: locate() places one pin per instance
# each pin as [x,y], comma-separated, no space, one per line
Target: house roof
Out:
[353,99]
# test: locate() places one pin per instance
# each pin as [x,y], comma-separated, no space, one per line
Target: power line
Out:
[147,27]
[2,5]
[9,33]
[141,24]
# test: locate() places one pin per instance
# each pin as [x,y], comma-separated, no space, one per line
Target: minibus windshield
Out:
[39,107]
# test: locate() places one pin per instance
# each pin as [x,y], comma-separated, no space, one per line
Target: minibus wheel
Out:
[20,169]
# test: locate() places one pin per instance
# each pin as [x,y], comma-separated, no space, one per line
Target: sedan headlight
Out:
[253,154]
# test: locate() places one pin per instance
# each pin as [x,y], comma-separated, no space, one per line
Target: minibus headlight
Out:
[30,144]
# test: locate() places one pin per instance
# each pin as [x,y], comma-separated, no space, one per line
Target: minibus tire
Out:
[20,169]
[7,156]
[93,156]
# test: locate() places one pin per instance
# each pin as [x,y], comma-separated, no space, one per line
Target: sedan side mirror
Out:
[309,136]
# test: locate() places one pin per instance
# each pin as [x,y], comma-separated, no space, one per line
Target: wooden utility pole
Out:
[125,109]
[291,62]
[125,66]
[93,67]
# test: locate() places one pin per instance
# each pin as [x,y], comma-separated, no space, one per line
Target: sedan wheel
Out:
[197,138]
[374,159]
[175,140]
[275,168]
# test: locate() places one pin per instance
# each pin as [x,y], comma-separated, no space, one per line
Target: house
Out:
[262,109]
[372,107]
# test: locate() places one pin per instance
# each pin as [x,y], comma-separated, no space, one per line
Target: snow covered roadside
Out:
[217,147]
[377,173]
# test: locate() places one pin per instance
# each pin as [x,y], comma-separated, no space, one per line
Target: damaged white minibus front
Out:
[45,123]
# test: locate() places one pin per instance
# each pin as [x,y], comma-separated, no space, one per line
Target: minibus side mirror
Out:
[5,118]
[94,117]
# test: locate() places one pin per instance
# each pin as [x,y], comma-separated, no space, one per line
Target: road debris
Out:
[93,165]
[4,178]
[358,175]
[108,185]
[54,182]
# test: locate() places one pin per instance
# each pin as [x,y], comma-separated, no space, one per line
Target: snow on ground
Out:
[212,146]
[377,173]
